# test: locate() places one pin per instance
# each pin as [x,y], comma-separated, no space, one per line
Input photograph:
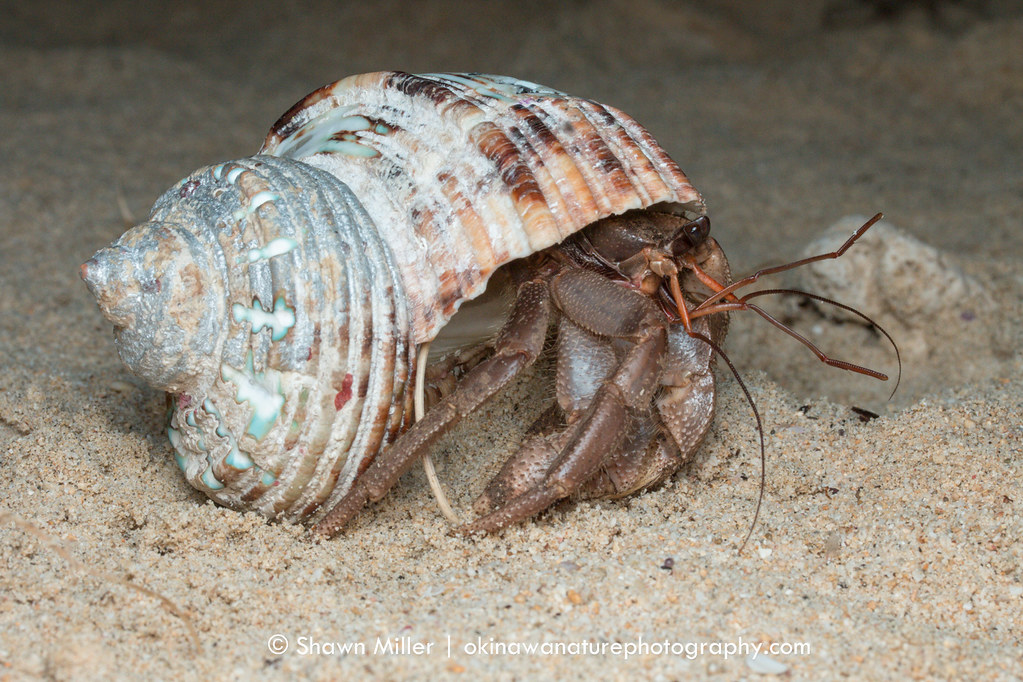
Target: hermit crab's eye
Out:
[689,235]
[698,230]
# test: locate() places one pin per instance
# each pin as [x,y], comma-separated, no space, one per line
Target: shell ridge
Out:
[443,237]
[602,171]
[667,171]
[256,231]
[497,146]
[387,376]
[217,455]
[375,390]
[208,467]
[354,396]
[632,158]
[570,191]
[331,426]
[346,398]
[473,225]
[535,202]
[308,456]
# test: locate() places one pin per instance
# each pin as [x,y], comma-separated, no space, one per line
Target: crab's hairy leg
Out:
[518,345]
[523,470]
[646,456]
[686,400]
[600,432]
[585,360]
[610,311]
[645,459]
[656,448]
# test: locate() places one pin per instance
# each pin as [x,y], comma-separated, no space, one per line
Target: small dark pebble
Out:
[668,564]
[865,415]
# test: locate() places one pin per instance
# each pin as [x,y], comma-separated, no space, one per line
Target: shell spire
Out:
[158,293]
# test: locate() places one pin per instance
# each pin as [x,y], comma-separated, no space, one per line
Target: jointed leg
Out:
[643,459]
[590,439]
[589,443]
[524,469]
[585,362]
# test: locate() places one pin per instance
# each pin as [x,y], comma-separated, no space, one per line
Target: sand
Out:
[889,547]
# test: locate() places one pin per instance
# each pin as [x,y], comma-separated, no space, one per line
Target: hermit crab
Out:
[280,299]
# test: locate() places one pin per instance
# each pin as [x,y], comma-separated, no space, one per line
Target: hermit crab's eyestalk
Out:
[690,235]
[166,319]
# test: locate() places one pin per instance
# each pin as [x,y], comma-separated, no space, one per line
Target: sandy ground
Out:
[891,547]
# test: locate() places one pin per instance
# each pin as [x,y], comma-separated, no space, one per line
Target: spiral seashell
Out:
[280,298]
